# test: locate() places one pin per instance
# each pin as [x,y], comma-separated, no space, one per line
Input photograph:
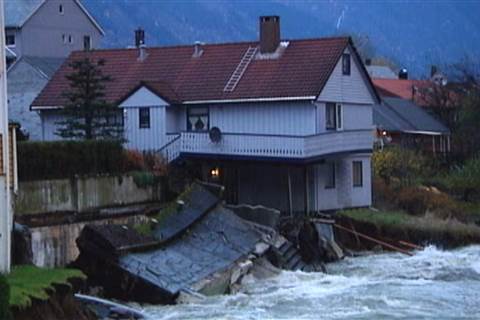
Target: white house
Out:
[39,35]
[287,124]
[8,160]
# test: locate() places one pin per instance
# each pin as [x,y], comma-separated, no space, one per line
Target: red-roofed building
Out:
[238,108]
[435,96]
[404,88]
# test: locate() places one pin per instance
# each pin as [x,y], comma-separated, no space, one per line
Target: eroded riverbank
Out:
[432,284]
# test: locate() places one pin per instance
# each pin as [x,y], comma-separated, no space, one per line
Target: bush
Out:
[146,161]
[400,165]
[134,161]
[464,181]
[143,179]
[4,299]
[61,159]
[420,200]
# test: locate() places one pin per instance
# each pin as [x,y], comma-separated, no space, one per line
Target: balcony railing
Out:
[268,146]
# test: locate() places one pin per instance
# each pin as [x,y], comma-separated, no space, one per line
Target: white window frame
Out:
[148,116]
[346,62]
[338,116]
[70,39]
[89,41]
[357,184]
[61,9]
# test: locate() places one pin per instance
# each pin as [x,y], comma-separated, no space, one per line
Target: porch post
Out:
[290,205]
[306,198]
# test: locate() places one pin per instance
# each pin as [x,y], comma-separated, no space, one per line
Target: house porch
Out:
[324,185]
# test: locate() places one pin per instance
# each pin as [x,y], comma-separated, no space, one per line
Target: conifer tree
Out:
[86,114]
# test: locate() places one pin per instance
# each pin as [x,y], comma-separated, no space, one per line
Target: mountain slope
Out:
[415,34]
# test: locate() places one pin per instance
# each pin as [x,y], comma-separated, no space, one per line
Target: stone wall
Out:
[81,194]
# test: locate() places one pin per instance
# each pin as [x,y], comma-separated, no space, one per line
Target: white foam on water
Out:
[432,284]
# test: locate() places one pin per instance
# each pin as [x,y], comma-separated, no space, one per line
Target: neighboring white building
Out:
[286,124]
[40,34]
[8,174]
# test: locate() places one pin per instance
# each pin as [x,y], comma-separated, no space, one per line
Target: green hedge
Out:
[4,299]
[61,159]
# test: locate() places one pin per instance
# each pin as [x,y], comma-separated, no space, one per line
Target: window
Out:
[330,178]
[64,38]
[87,43]
[144,118]
[10,40]
[197,119]
[346,64]
[70,38]
[357,174]
[333,116]
[60,9]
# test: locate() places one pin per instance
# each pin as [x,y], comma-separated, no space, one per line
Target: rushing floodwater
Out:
[433,284]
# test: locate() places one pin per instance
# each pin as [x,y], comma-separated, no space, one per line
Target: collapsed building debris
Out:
[196,246]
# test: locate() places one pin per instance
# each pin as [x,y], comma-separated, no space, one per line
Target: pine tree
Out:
[87,115]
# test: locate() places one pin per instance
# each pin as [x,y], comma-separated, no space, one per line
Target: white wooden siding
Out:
[49,126]
[355,116]
[143,98]
[344,195]
[353,88]
[176,119]
[143,139]
[265,118]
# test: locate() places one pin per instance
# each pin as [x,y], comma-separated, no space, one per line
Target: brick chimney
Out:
[140,44]
[269,33]
[139,37]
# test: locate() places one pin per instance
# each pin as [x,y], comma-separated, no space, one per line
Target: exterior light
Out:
[384,133]
[215,173]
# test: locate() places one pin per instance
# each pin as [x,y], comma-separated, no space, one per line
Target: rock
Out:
[240,270]
[261,248]
[262,268]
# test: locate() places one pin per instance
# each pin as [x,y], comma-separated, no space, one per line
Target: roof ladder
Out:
[240,70]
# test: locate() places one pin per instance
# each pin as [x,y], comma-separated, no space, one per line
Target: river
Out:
[432,284]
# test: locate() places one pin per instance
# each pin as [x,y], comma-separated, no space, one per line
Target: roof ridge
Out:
[246,42]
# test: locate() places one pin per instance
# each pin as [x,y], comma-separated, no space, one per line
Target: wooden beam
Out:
[290,205]
[306,196]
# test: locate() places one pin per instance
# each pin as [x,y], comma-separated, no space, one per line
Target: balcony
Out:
[268,147]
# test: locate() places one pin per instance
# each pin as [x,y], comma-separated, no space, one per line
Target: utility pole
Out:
[6,216]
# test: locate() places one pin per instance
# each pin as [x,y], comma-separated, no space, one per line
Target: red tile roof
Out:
[402,88]
[301,71]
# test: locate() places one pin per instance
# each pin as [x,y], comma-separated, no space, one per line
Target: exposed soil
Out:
[394,234]
[60,306]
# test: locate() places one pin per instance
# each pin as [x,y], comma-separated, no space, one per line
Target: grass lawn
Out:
[28,282]
[379,218]
[424,224]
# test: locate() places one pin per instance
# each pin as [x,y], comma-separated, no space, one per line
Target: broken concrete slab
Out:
[217,241]
[258,214]
[194,247]
[198,246]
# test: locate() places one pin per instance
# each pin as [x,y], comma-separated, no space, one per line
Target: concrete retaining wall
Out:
[81,194]
[55,246]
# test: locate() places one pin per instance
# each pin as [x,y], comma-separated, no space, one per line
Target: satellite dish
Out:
[215,135]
